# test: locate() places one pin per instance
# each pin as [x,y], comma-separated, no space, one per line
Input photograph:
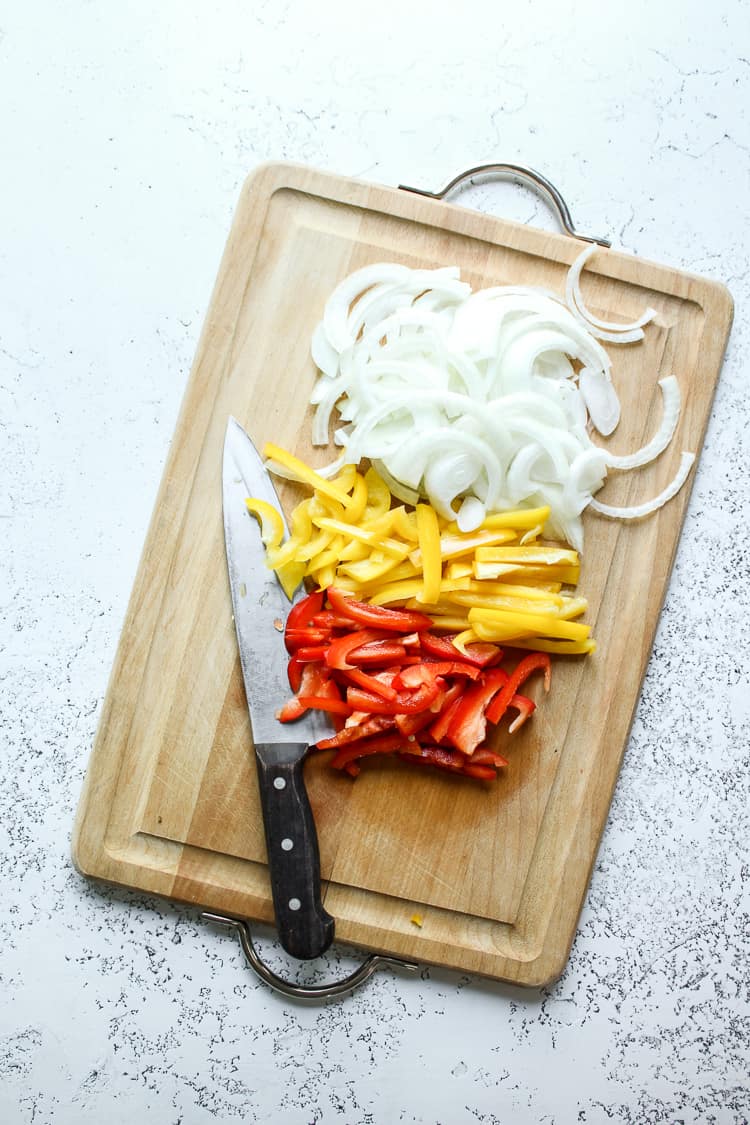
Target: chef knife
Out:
[260,611]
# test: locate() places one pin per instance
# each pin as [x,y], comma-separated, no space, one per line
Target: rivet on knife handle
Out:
[305,928]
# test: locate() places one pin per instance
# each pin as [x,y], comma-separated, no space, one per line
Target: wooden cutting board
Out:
[497,872]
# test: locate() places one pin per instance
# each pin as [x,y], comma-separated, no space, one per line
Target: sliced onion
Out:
[638,511]
[473,399]
[604,329]
[670,390]
[600,399]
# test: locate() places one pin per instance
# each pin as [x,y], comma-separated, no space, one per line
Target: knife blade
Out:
[260,611]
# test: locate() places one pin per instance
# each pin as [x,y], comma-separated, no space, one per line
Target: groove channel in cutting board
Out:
[171,801]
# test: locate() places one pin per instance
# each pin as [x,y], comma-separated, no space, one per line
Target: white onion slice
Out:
[670,390]
[597,327]
[638,511]
[600,399]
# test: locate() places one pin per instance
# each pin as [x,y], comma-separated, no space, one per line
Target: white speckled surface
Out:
[126,133]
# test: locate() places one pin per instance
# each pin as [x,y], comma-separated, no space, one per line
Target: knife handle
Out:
[305,928]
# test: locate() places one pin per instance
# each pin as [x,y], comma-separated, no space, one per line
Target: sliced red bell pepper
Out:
[435,756]
[483,756]
[329,620]
[378,652]
[306,653]
[295,639]
[452,696]
[303,611]
[335,705]
[363,747]
[405,703]
[535,661]
[314,681]
[373,684]
[337,655]
[377,616]
[483,655]
[525,707]
[376,724]
[427,671]
[411,724]
[468,724]
[484,773]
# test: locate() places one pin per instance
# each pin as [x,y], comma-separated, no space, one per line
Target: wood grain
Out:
[498,873]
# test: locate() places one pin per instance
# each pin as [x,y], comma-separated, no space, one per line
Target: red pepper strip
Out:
[535,661]
[323,703]
[371,683]
[412,724]
[306,653]
[329,620]
[296,638]
[377,744]
[313,681]
[444,648]
[484,773]
[339,649]
[378,652]
[428,671]
[468,725]
[377,616]
[439,728]
[525,707]
[375,725]
[303,611]
[294,672]
[404,703]
[435,756]
[483,756]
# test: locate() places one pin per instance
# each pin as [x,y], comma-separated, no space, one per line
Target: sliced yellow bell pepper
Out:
[271,523]
[526,623]
[428,533]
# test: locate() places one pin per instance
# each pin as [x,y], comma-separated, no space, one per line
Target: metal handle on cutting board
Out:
[301,991]
[519,173]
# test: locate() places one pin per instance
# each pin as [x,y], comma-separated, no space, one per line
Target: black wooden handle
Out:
[305,929]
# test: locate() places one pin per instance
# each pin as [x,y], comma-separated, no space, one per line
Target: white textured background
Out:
[126,131]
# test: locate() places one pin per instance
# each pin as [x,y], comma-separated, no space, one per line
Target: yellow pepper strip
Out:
[330,556]
[573,607]
[453,546]
[358,502]
[271,523]
[404,524]
[428,533]
[548,593]
[545,626]
[531,535]
[527,556]
[509,572]
[304,473]
[460,569]
[462,637]
[498,601]
[325,577]
[542,644]
[313,547]
[442,622]
[371,569]
[413,588]
[290,575]
[378,495]
[371,538]
[520,518]
[354,551]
